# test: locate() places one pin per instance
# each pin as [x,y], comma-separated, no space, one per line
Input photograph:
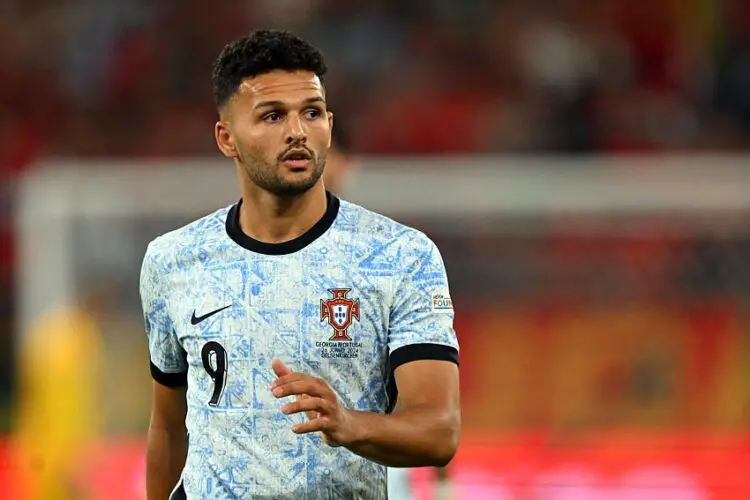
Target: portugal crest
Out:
[339,312]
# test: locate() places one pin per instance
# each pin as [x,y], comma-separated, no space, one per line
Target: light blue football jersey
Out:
[348,301]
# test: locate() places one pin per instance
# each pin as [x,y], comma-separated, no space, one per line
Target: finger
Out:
[279,368]
[288,379]
[307,386]
[310,414]
[291,377]
[317,425]
[306,405]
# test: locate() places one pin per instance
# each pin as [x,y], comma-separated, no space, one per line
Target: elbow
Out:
[444,453]
[446,445]
[443,458]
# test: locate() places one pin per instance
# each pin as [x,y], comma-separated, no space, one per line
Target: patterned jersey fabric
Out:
[348,301]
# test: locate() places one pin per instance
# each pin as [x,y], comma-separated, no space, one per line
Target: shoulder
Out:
[175,249]
[403,244]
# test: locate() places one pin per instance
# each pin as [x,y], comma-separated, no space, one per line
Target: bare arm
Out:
[423,429]
[425,425]
[167,441]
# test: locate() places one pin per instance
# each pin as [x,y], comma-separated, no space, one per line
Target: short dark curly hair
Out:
[261,52]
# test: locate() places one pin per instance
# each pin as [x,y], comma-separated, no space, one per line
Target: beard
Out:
[268,175]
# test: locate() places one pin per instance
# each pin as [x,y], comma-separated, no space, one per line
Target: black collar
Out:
[235,231]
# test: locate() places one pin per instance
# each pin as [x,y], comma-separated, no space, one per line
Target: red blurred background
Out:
[605,353]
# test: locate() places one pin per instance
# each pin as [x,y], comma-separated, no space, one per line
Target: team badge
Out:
[340,311]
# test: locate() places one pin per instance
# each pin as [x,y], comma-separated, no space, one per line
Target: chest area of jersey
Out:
[277,308]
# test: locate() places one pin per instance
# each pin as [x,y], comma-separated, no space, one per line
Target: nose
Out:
[296,130]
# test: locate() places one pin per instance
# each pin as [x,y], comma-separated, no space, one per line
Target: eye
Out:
[312,113]
[272,117]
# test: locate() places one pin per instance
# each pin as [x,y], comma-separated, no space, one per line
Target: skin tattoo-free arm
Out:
[423,429]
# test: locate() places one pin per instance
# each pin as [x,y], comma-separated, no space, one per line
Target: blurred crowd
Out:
[85,77]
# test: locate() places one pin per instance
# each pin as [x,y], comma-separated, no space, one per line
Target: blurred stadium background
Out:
[581,164]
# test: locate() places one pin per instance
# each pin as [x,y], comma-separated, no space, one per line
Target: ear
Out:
[330,128]
[225,139]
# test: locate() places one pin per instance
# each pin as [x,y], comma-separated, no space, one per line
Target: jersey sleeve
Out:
[168,359]
[421,318]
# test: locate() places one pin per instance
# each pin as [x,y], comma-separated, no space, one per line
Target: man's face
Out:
[278,128]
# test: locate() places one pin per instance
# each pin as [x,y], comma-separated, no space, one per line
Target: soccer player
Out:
[282,327]
[54,424]
[338,162]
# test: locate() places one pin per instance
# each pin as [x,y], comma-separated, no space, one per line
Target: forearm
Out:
[413,438]
[165,459]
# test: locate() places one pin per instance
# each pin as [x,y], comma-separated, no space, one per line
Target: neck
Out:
[270,218]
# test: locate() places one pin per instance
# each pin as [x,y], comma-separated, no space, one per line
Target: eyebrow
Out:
[279,104]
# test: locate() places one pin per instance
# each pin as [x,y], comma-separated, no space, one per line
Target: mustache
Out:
[295,147]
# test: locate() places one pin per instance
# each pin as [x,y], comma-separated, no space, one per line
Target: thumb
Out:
[280,368]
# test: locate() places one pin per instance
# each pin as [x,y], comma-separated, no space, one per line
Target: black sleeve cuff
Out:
[168,379]
[415,352]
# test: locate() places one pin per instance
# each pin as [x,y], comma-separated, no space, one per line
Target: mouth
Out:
[298,158]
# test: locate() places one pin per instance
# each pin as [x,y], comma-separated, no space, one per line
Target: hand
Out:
[281,371]
[316,398]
